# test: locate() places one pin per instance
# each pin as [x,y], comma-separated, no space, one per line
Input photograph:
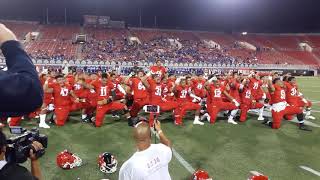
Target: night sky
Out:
[211,15]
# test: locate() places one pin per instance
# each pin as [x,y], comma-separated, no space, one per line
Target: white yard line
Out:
[310,170]
[181,160]
[306,90]
[306,122]
[315,101]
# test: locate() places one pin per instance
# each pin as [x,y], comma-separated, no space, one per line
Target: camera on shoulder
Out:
[20,144]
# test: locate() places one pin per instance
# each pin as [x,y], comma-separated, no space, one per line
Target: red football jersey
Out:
[182,94]
[234,91]
[215,93]
[292,93]
[119,79]
[198,87]
[103,91]
[155,91]
[167,88]
[50,81]
[115,85]
[255,85]
[80,91]
[61,94]
[138,89]
[279,95]
[222,82]
[246,95]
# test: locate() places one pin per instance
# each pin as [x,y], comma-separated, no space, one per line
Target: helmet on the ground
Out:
[201,175]
[254,175]
[68,160]
[259,177]
[107,163]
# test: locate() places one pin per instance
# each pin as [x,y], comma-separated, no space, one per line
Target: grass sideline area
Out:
[227,152]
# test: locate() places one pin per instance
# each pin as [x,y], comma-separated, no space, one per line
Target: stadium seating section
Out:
[57,42]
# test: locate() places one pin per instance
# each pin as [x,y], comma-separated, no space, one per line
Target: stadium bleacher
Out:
[57,43]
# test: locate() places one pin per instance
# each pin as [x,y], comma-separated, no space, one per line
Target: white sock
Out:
[83,116]
[8,120]
[204,116]
[196,118]
[233,113]
[42,118]
[261,112]
[308,112]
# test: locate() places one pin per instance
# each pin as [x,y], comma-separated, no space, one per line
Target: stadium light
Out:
[244,33]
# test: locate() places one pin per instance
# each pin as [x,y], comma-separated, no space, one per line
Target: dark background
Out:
[213,15]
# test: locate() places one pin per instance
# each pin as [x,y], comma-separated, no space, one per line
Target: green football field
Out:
[227,152]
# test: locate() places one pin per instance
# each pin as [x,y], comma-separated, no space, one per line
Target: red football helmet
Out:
[259,177]
[68,160]
[254,175]
[201,175]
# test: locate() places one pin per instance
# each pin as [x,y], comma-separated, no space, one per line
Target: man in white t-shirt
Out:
[151,161]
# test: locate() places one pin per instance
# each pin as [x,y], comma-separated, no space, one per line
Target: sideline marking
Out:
[312,91]
[315,111]
[310,170]
[181,160]
[314,101]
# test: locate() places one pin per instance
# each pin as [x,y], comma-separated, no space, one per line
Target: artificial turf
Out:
[227,152]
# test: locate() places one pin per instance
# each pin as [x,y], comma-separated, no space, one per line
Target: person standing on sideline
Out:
[151,161]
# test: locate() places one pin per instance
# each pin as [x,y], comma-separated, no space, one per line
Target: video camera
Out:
[19,146]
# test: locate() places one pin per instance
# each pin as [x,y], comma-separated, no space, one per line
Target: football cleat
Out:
[87,119]
[260,118]
[198,122]
[267,122]
[44,125]
[107,163]
[116,116]
[52,119]
[68,160]
[132,121]
[310,117]
[93,119]
[231,121]
[205,116]
[304,127]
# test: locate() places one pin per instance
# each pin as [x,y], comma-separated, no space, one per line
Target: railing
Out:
[46,62]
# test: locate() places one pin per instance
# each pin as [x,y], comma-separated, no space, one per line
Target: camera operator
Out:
[20,88]
[13,171]
[151,161]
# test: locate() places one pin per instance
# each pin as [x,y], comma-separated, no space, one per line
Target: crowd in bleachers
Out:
[58,43]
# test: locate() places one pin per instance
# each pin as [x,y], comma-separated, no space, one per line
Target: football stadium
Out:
[141,89]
